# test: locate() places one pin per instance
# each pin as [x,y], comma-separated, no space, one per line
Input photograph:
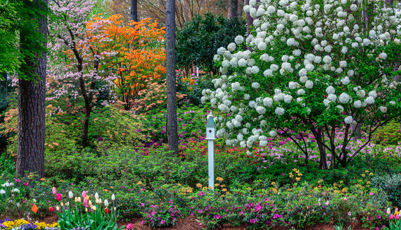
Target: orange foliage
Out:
[134,54]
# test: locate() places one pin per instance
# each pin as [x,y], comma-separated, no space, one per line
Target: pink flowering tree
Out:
[75,60]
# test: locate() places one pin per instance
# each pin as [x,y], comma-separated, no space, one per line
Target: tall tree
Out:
[233,10]
[172,132]
[31,92]
[134,10]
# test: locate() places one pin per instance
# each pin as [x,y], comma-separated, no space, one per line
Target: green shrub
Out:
[199,39]
[391,185]
[389,134]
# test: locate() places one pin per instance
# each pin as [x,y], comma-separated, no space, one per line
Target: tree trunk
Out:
[134,10]
[357,129]
[172,133]
[249,20]
[233,10]
[31,101]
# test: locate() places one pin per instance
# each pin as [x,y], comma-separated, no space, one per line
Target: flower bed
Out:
[22,224]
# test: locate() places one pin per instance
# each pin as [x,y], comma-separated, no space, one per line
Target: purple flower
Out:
[258,208]
[217,216]
[252,221]
[162,222]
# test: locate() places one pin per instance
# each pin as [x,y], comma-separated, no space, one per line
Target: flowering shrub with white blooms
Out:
[309,66]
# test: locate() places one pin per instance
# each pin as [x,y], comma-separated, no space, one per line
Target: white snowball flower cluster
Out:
[301,47]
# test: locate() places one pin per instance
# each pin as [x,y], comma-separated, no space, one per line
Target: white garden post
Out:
[197,71]
[210,137]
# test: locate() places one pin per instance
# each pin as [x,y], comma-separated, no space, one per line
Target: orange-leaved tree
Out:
[135,54]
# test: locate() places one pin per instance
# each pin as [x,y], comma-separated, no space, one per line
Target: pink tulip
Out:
[397,217]
[83,194]
[59,197]
[391,216]
[85,201]
[54,191]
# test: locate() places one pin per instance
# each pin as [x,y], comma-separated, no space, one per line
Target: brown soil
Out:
[191,223]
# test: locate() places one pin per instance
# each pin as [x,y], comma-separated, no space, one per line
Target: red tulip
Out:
[59,197]
[51,209]
[106,210]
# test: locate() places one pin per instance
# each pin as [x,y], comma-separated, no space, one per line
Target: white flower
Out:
[287,98]
[248,153]
[261,110]
[268,102]
[252,2]
[343,64]
[296,52]
[348,120]
[309,67]
[388,211]
[221,50]
[292,85]
[327,59]
[239,39]
[247,96]
[279,111]
[255,69]
[392,102]
[370,100]
[344,98]
[383,56]
[309,84]
[357,104]
[303,72]
[113,197]
[268,73]
[271,9]
[231,47]
[303,79]
[326,102]
[361,93]
[262,46]
[70,195]
[2,192]
[15,190]
[300,92]
[373,94]
[345,80]
[332,97]
[340,108]
[330,90]
[242,62]
[273,133]
[383,109]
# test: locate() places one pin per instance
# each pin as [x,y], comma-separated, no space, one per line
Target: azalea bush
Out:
[309,67]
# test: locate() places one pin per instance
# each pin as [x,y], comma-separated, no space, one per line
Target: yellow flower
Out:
[273,183]
[341,182]
[366,171]
[219,179]
[297,179]
[363,175]
[216,185]
[224,190]
[140,182]
[370,174]
[199,185]
[42,179]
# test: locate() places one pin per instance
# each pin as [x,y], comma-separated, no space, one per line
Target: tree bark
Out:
[172,132]
[249,20]
[134,10]
[233,10]
[357,129]
[31,102]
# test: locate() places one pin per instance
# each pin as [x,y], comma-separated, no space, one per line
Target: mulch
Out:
[191,223]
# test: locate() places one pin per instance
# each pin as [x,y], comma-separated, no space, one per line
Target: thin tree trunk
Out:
[134,10]
[31,102]
[172,132]
[233,10]
[357,129]
[249,20]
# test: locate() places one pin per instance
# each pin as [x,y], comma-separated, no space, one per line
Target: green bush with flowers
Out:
[309,73]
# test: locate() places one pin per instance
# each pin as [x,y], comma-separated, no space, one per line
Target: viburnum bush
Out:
[310,66]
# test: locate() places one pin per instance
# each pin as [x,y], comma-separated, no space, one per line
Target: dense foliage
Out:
[199,39]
